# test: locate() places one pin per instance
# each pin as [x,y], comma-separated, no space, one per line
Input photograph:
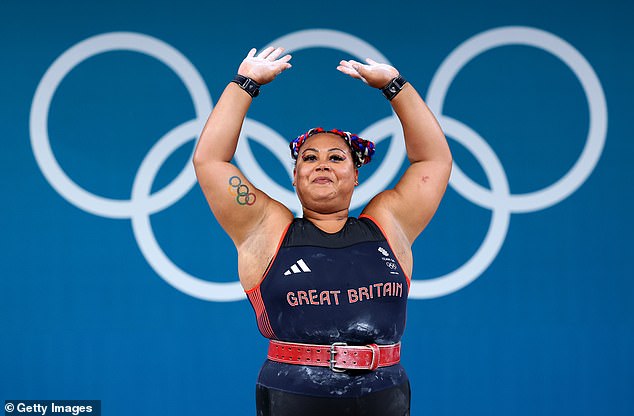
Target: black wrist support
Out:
[393,87]
[251,87]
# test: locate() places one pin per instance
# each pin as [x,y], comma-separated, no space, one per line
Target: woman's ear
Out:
[356,176]
[294,175]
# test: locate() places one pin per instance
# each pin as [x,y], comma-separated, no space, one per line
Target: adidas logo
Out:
[298,267]
[383,251]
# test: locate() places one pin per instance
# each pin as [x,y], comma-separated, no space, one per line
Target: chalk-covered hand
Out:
[373,73]
[264,67]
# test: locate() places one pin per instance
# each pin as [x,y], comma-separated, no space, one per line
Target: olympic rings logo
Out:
[143,202]
[241,191]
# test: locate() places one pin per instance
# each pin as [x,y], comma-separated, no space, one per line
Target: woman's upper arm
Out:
[237,204]
[414,200]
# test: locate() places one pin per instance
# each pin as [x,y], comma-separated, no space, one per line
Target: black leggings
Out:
[394,401]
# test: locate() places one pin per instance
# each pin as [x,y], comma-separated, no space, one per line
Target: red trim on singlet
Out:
[255,296]
[264,324]
[390,245]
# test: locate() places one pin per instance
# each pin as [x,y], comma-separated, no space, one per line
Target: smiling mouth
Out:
[322,180]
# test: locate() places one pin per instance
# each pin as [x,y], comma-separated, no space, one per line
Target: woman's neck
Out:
[330,223]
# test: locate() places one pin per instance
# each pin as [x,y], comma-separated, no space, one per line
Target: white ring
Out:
[490,247]
[40,142]
[142,227]
[597,106]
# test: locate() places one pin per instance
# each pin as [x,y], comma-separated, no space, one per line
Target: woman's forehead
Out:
[326,141]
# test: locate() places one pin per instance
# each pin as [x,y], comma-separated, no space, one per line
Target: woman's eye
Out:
[336,158]
[308,158]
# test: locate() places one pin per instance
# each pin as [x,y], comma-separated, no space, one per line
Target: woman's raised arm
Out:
[409,207]
[236,203]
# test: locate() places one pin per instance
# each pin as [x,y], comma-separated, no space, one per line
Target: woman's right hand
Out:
[264,67]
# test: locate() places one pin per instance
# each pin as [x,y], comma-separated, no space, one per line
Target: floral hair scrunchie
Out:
[362,150]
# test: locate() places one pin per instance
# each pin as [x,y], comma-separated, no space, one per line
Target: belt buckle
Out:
[374,364]
[332,356]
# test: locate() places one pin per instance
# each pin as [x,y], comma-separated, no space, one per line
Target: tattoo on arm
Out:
[241,191]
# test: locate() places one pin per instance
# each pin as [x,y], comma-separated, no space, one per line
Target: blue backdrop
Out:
[118,284]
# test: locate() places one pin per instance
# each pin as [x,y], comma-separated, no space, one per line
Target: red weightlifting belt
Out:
[338,356]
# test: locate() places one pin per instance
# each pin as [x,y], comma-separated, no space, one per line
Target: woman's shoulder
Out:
[393,232]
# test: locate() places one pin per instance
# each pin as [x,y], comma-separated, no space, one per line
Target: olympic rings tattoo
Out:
[241,191]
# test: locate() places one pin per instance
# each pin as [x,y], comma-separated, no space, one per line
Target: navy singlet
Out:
[322,288]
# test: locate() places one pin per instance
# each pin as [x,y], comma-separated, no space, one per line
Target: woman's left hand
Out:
[373,73]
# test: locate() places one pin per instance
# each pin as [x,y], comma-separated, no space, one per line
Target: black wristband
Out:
[393,87]
[251,87]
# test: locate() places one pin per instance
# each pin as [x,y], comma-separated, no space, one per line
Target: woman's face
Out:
[324,174]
